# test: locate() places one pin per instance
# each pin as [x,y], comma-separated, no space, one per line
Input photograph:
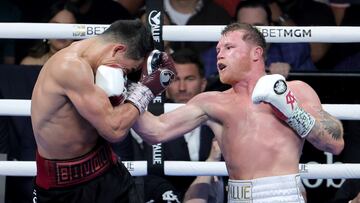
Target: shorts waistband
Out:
[267,189]
[64,173]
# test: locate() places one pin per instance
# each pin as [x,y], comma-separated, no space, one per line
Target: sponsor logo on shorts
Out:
[240,192]
[78,171]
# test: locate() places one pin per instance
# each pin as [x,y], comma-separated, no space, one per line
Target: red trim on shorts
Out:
[64,173]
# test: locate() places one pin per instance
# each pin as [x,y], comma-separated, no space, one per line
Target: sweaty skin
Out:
[254,142]
[68,111]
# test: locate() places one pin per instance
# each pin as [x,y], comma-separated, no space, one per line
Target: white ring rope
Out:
[337,34]
[16,107]
[197,168]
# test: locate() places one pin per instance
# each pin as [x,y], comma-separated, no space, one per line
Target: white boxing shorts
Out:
[273,189]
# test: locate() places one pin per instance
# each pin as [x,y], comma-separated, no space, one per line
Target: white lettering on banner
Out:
[95,30]
[157,154]
[154,22]
[129,165]
[318,182]
[88,30]
[280,32]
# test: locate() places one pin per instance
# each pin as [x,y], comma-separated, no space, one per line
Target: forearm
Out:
[149,127]
[115,123]
[327,133]
[155,129]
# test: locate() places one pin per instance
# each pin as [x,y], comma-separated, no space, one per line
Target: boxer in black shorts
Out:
[81,97]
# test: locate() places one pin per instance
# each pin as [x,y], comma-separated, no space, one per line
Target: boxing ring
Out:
[11,107]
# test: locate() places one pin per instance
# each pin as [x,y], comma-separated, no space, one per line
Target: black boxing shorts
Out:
[97,176]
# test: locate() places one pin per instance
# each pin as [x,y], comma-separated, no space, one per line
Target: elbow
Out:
[153,139]
[338,147]
[339,142]
[115,135]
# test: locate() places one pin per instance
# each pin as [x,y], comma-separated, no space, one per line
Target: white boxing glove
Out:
[112,81]
[272,89]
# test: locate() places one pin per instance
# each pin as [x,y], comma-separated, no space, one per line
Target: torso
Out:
[253,141]
[60,131]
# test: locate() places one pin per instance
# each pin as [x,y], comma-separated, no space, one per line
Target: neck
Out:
[182,6]
[247,84]
[91,51]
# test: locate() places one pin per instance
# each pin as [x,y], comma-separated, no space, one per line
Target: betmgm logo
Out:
[88,30]
[79,31]
[314,183]
[286,33]
[154,21]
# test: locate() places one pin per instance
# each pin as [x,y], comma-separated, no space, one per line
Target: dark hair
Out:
[252,34]
[42,47]
[255,4]
[136,36]
[187,55]
[59,6]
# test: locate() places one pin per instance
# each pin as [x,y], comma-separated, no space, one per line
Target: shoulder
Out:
[303,91]
[69,69]
[298,84]
[209,100]
[205,97]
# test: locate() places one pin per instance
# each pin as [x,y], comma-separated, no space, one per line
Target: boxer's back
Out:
[60,131]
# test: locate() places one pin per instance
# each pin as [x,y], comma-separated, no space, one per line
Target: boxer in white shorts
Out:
[260,123]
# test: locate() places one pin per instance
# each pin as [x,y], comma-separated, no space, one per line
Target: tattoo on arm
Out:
[329,124]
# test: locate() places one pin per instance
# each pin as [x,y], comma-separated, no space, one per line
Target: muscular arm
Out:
[327,133]
[77,81]
[155,129]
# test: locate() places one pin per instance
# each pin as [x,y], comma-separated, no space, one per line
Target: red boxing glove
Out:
[152,63]
[163,73]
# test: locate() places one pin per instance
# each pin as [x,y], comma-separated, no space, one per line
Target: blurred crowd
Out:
[283,58]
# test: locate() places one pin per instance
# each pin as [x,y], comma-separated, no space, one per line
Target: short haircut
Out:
[187,55]
[251,34]
[255,4]
[136,36]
